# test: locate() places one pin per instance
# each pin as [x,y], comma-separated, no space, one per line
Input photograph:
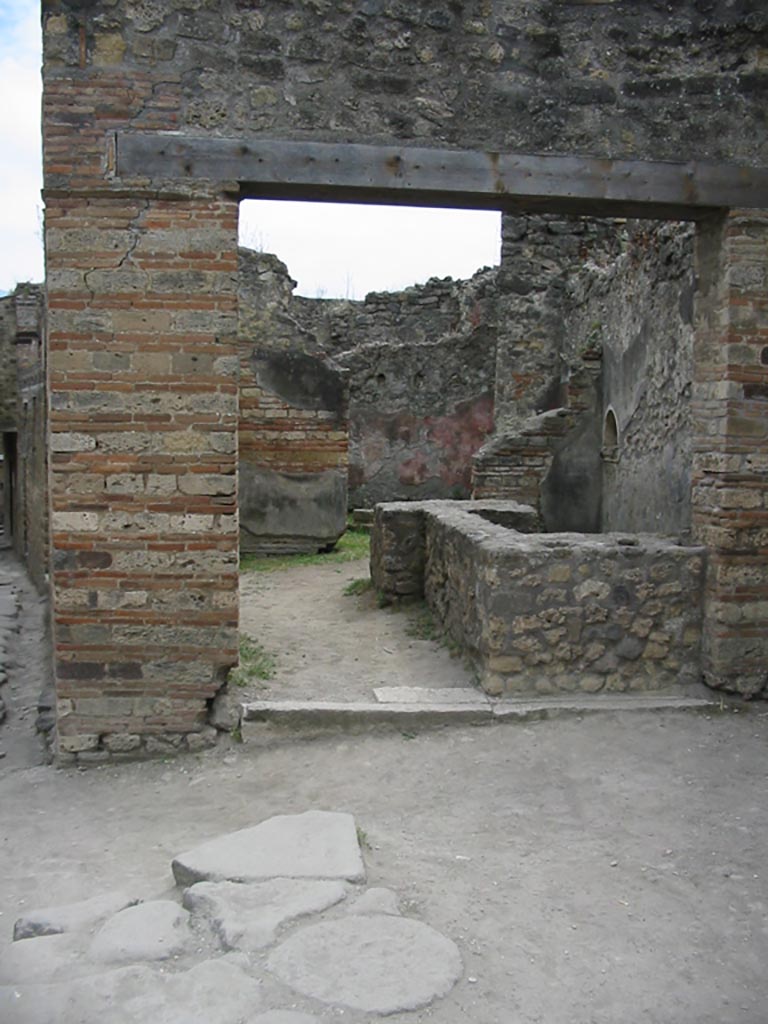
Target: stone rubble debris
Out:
[229,951]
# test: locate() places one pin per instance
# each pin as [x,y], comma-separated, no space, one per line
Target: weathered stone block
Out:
[76,744]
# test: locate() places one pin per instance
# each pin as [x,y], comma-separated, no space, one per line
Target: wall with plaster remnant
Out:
[597,316]
[547,392]
[421,366]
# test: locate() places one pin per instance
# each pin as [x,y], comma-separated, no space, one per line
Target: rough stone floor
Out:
[595,869]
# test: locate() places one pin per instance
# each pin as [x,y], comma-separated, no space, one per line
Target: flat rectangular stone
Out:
[516,709]
[430,695]
[315,844]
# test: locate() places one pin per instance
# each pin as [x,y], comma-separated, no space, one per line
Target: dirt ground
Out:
[591,869]
[331,645]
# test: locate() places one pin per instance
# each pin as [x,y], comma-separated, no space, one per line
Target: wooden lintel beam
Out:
[268,168]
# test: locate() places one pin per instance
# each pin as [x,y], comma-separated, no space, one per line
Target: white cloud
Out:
[345,251]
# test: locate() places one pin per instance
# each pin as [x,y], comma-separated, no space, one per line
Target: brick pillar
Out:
[730,472]
[143,374]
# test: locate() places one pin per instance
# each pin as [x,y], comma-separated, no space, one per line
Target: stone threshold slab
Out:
[522,707]
[262,719]
[453,695]
[342,713]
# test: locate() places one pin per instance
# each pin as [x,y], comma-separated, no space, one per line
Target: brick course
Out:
[730,483]
[143,397]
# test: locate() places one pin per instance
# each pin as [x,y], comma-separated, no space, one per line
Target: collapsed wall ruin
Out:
[592,319]
[556,107]
[406,379]
[597,325]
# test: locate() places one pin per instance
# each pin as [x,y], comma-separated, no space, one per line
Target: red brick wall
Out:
[143,368]
[275,435]
[730,477]
[143,386]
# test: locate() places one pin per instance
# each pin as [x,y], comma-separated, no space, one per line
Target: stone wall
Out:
[633,301]
[8,390]
[25,462]
[598,318]
[610,79]
[142,285]
[30,492]
[547,613]
[547,391]
[292,433]
[399,551]
[730,448]
[421,367]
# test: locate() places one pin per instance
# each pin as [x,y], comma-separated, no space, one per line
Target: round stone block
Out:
[375,963]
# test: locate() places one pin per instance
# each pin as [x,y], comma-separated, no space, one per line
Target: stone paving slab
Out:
[213,992]
[284,1017]
[47,958]
[264,721]
[248,916]
[156,930]
[352,714]
[71,917]
[522,708]
[377,901]
[374,963]
[362,954]
[316,844]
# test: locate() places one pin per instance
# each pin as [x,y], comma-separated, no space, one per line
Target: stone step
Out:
[264,720]
[362,518]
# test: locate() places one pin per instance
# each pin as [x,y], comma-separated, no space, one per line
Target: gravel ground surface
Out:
[590,869]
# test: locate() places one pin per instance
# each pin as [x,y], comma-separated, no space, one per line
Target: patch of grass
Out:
[421,625]
[362,839]
[351,545]
[256,663]
[358,586]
